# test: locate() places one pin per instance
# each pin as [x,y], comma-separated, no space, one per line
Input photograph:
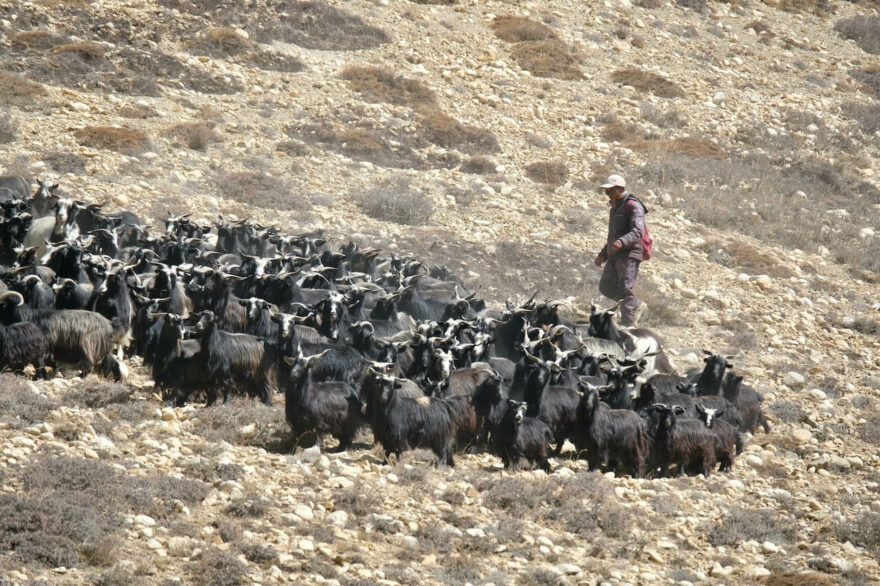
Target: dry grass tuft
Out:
[88,50]
[444,130]
[479,165]
[122,140]
[379,84]
[864,30]
[359,144]
[272,61]
[8,128]
[867,115]
[752,260]
[396,200]
[752,524]
[220,568]
[694,147]
[197,136]
[64,162]
[17,89]
[261,189]
[516,29]
[549,58]
[647,81]
[317,25]
[869,77]
[35,39]
[552,173]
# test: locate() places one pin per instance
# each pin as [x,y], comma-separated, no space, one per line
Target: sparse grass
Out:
[251,506]
[548,58]
[122,140]
[396,200]
[760,525]
[863,531]
[35,39]
[479,165]
[197,136]
[694,147]
[870,431]
[787,411]
[272,61]
[317,25]
[98,394]
[866,115]
[220,568]
[64,162]
[8,128]
[445,131]
[869,77]
[752,260]
[141,111]
[261,189]
[17,89]
[225,423]
[552,173]
[863,29]
[647,81]
[662,310]
[20,404]
[380,84]
[516,29]
[356,501]
[359,144]
[87,50]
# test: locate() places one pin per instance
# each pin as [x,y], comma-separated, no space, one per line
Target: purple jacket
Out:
[626,222]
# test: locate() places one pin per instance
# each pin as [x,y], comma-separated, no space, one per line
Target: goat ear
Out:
[728,365]
[719,413]
[678,409]
[289,361]
[700,409]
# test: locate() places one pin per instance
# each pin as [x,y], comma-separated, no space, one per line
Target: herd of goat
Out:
[352,339]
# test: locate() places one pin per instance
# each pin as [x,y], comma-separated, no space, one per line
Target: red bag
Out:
[647,243]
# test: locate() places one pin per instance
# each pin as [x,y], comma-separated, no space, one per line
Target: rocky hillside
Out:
[472,134]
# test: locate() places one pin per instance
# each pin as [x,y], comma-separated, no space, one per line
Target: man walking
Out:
[623,250]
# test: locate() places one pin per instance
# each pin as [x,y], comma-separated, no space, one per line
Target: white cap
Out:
[614,181]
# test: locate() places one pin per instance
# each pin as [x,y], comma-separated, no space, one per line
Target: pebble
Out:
[568,569]
[769,547]
[144,520]
[763,282]
[801,436]
[476,532]
[338,518]
[689,293]
[794,380]
[304,512]
[306,545]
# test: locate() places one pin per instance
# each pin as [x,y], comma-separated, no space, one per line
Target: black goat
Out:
[21,343]
[518,437]
[318,407]
[401,424]
[728,440]
[236,361]
[178,367]
[682,444]
[747,401]
[617,438]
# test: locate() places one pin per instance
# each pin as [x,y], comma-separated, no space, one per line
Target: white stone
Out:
[338,518]
[144,520]
[764,282]
[866,233]
[689,293]
[306,545]
[769,547]
[79,107]
[304,512]
[794,380]
[801,436]
[742,277]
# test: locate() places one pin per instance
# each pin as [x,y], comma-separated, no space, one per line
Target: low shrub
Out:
[863,531]
[552,173]
[396,200]
[64,162]
[220,568]
[647,81]
[261,189]
[20,403]
[863,29]
[866,115]
[479,165]
[87,50]
[547,58]
[8,128]
[197,136]
[516,29]
[123,140]
[380,84]
[445,131]
[18,89]
[229,423]
[740,524]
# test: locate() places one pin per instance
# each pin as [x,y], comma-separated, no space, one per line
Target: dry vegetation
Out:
[445,131]
[647,81]
[194,135]
[124,140]
[262,189]
[864,30]
[17,89]
[537,48]
[552,173]
[396,200]
[379,84]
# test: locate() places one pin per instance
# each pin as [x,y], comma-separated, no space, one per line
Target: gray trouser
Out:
[617,283]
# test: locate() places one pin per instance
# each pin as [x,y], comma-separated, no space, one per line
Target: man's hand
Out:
[600,260]
[616,246]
